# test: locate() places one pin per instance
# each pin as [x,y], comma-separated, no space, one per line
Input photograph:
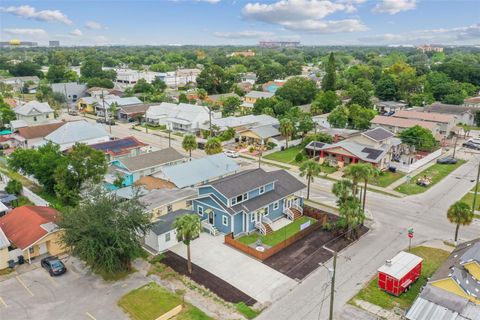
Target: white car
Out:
[231,154]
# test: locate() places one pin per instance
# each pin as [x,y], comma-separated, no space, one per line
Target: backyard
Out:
[432,259]
[436,173]
[277,236]
[151,301]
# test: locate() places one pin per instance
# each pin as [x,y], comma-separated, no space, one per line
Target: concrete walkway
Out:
[378,311]
[254,278]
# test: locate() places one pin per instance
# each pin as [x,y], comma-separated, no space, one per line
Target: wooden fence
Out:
[319,216]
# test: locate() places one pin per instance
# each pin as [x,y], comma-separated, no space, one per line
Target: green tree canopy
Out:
[188,228]
[189,144]
[419,137]
[213,146]
[329,80]
[338,118]
[105,231]
[298,91]
[460,213]
[325,102]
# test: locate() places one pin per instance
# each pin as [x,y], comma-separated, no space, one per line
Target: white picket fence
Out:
[407,168]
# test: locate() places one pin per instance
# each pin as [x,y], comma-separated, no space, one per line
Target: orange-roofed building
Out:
[33,230]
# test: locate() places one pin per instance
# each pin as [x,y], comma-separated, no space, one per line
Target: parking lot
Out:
[78,294]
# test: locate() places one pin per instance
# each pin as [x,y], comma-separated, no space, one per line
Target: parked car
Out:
[101,120]
[471,145]
[231,154]
[447,160]
[73,113]
[53,265]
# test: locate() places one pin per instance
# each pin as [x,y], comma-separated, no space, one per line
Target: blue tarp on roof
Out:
[200,170]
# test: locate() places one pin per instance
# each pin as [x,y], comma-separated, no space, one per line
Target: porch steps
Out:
[268,229]
[296,213]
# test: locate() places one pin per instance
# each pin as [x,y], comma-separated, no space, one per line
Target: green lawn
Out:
[285,156]
[386,178]
[277,236]
[154,128]
[468,198]
[151,301]
[433,258]
[436,172]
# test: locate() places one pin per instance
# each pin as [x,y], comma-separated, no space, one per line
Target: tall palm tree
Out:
[351,211]
[461,214]
[361,172]
[113,111]
[286,129]
[310,169]
[188,228]
[213,146]
[342,190]
[189,144]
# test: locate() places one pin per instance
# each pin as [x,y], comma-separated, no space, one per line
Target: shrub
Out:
[14,187]
[251,149]
[271,145]
[299,157]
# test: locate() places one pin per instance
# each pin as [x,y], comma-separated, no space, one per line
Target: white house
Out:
[72,90]
[77,132]
[109,100]
[179,117]
[34,112]
[162,235]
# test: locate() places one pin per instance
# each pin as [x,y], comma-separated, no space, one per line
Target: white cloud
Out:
[93,25]
[443,36]
[306,15]
[248,34]
[26,32]
[76,33]
[30,12]
[394,6]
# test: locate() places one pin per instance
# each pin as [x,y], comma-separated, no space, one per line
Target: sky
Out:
[242,22]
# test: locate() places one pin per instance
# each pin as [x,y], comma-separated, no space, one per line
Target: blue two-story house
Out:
[248,201]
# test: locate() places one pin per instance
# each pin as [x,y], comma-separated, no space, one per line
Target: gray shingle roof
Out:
[77,131]
[378,134]
[448,109]
[39,107]
[267,131]
[242,182]
[259,94]
[472,254]
[151,159]
[285,184]
[165,223]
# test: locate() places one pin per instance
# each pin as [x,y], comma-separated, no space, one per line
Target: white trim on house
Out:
[204,196]
[224,217]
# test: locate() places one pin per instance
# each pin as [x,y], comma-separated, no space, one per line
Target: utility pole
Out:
[332,289]
[476,190]
[455,146]
[210,120]
[103,106]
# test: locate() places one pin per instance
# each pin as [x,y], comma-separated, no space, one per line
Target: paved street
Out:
[426,213]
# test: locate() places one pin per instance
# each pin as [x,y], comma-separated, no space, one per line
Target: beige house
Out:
[4,256]
[162,201]
[33,230]
[34,112]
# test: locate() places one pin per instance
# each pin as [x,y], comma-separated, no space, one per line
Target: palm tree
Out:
[189,144]
[188,228]
[359,172]
[113,111]
[351,212]
[342,190]
[461,214]
[310,169]
[213,146]
[286,129]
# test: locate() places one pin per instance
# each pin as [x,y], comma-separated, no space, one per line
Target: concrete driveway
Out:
[254,278]
[78,294]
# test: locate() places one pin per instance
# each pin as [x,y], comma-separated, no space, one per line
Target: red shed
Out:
[398,274]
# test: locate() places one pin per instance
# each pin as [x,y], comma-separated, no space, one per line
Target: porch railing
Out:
[267,221]
[261,228]
[211,229]
[289,214]
[296,206]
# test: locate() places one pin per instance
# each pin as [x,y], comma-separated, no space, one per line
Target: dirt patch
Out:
[201,276]
[302,257]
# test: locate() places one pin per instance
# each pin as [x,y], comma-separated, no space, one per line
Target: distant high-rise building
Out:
[279,44]
[54,43]
[430,48]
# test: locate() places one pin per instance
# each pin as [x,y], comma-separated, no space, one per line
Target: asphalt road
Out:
[425,212]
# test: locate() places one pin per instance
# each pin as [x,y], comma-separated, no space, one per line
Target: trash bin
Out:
[11,264]
[21,260]
[392,169]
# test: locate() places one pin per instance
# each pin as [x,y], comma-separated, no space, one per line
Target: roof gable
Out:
[151,159]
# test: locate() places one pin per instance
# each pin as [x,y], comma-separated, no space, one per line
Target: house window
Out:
[34,118]
[47,116]
[167,237]
[200,210]
[240,198]
[234,201]
[169,208]
[31,250]
[262,189]
[276,205]
[225,220]
[252,217]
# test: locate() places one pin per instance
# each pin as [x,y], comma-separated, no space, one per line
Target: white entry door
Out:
[42,248]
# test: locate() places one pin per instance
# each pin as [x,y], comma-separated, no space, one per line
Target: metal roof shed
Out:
[397,274]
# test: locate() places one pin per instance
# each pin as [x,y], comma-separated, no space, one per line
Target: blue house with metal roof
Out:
[248,201]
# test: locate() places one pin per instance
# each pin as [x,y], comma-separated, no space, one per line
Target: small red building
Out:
[399,273]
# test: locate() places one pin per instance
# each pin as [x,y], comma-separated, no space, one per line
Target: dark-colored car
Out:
[73,113]
[101,120]
[54,266]
[447,160]
[471,145]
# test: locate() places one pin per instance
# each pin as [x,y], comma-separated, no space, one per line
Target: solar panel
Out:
[116,145]
[372,153]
